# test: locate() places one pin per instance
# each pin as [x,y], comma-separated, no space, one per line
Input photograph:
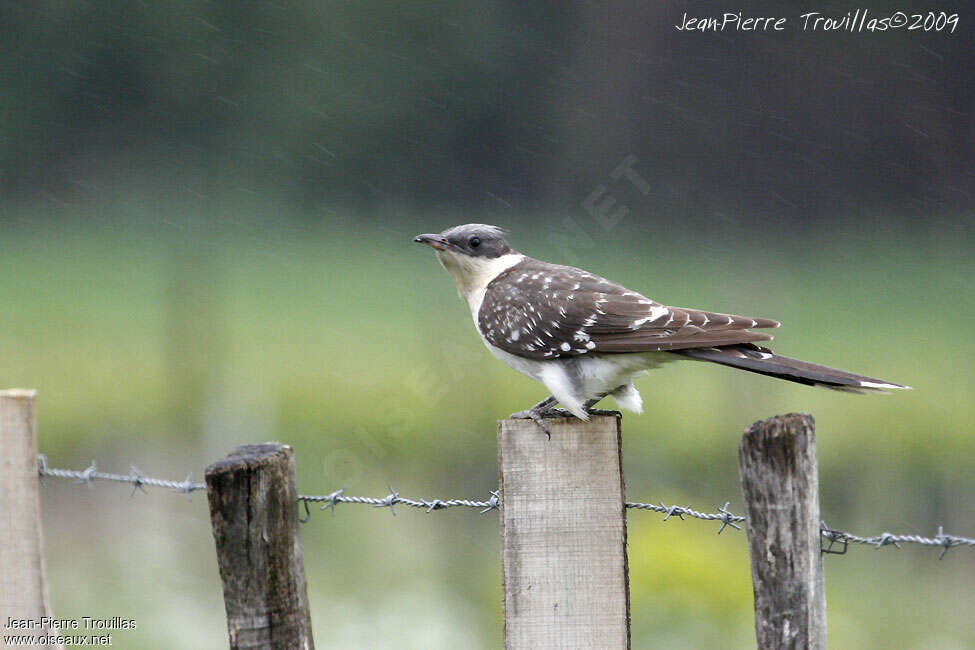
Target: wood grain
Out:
[254,513]
[23,582]
[780,483]
[563,535]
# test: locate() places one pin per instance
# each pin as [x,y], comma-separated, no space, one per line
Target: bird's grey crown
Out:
[478,240]
[543,311]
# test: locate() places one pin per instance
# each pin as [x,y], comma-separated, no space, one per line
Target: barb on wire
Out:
[942,539]
[329,500]
[723,515]
[394,499]
[135,478]
[138,480]
[830,537]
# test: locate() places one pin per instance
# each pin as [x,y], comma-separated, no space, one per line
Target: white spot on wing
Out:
[638,323]
[657,311]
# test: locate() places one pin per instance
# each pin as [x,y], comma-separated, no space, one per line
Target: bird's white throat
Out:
[473,274]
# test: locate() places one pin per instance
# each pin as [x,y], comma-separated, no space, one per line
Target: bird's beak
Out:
[436,241]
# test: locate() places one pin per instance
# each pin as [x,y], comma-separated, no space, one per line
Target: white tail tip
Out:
[883,386]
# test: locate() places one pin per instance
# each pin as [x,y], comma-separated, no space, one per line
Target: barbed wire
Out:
[830,537]
[393,499]
[136,478]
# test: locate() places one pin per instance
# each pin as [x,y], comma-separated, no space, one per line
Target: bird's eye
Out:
[474,242]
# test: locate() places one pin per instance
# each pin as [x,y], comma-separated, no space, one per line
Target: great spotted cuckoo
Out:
[585,337]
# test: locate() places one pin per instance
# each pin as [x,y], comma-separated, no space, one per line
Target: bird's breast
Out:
[529,367]
[472,275]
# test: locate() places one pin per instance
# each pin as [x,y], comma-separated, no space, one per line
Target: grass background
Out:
[162,339]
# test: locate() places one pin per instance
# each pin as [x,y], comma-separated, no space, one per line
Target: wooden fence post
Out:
[23,581]
[563,535]
[254,513]
[780,483]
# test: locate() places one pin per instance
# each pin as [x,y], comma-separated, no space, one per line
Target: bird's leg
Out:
[537,413]
[588,406]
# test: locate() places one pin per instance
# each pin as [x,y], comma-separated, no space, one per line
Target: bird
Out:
[584,337]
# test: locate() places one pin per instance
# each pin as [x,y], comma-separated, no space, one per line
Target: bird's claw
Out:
[537,416]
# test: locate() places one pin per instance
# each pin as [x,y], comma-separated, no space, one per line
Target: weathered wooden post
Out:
[563,535]
[780,483]
[23,582]
[254,513]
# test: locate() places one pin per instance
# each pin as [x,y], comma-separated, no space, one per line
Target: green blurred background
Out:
[205,229]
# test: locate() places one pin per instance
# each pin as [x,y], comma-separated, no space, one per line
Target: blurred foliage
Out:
[386,106]
[165,344]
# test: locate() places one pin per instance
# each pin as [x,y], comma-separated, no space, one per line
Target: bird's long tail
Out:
[753,358]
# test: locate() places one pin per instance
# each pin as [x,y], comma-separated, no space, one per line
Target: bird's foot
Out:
[538,415]
[547,409]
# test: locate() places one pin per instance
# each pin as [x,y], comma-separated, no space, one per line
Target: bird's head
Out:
[473,254]
[470,240]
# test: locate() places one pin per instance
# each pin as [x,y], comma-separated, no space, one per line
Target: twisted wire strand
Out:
[328,501]
[135,478]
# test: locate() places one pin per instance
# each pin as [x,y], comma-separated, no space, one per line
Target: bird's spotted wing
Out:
[543,311]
